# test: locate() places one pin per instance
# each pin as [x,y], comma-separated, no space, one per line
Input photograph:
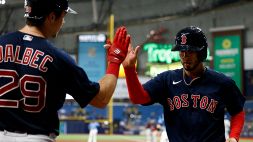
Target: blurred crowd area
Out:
[248,126]
[127,118]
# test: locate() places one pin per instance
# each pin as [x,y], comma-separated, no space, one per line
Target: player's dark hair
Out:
[37,10]
[40,22]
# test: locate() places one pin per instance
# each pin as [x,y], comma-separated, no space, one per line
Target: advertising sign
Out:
[92,55]
[227,56]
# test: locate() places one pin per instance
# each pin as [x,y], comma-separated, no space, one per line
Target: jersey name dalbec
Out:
[34,59]
[198,101]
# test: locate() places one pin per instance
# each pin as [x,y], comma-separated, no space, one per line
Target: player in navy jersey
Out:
[35,75]
[194,98]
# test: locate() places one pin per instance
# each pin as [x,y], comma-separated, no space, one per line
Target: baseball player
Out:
[35,75]
[194,97]
[164,137]
[93,131]
[227,126]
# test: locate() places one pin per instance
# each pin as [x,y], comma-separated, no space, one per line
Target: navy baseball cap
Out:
[37,9]
[190,39]
[64,4]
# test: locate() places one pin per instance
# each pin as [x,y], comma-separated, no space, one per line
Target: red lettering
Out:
[177,102]
[203,102]
[42,65]
[35,58]
[198,102]
[9,56]
[195,100]
[27,56]
[184,98]
[212,106]
[170,104]
[17,55]
[1,54]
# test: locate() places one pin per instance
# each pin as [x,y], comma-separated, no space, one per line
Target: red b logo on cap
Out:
[183,39]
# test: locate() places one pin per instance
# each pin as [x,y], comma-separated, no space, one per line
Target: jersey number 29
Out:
[38,94]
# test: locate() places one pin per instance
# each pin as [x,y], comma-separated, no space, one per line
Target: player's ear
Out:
[51,17]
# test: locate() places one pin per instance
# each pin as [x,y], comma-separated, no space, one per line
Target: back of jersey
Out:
[24,75]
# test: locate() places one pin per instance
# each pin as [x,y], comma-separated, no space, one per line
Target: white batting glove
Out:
[231,140]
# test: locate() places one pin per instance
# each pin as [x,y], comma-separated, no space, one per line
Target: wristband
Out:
[113,68]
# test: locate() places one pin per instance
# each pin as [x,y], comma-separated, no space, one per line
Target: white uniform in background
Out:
[93,127]
[164,137]
[227,127]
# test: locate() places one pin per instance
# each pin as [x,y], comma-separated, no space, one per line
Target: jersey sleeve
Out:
[76,82]
[234,100]
[156,88]
[81,88]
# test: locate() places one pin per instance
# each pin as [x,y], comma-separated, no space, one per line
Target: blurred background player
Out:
[227,126]
[151,131]
[194,97]
[148,133]
[93,131]
[35,75]
[162,130]
[164,137]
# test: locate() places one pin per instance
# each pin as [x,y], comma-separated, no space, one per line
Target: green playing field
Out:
[101,138]
[113,138]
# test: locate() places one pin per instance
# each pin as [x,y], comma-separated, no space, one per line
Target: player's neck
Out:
[32,30]
[197,72]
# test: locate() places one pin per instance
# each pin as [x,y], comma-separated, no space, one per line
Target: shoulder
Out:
[9,36]
[65,57]
[218,77]
[59,54]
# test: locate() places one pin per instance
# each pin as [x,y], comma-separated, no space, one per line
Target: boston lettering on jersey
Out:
[34,59]
[197,102]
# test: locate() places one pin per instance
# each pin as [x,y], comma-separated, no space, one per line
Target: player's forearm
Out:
[137,94]
[107,87]
[236,125]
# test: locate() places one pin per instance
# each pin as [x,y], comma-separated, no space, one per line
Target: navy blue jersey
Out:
[34,79]
[195,112]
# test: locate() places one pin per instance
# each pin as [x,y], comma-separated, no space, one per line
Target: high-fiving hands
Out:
[121,51]
[117,51]
[131,57]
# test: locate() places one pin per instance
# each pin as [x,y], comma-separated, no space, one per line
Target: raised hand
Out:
[131,57]
[117,51]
